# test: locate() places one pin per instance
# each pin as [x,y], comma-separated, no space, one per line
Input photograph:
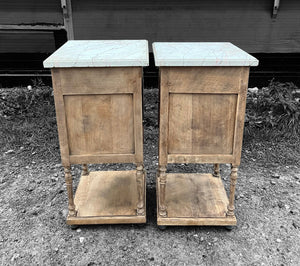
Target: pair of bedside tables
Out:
[98,100]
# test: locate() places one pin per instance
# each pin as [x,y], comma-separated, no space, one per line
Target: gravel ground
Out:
[33,208]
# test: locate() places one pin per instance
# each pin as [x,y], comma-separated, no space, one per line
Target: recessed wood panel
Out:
[201,123]
[100,124]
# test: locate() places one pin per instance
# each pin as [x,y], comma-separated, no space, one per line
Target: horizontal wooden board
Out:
[203,158]
[102,80]
[202,79]
[102,158]
[246,23]
[106,220]
[227,221]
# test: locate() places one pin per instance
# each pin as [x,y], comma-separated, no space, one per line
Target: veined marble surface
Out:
[102,53]
[201,54]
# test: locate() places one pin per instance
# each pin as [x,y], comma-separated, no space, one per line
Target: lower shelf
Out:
[195,199]
[107,197]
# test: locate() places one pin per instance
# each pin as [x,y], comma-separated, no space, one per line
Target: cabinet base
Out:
[107,197]
[195,199]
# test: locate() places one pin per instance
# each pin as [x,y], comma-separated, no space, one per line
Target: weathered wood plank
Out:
[102,80]
[61,118]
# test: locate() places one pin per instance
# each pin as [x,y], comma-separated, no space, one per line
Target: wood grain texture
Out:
[60,118]
[99,117]
[201,123]
[233,180]
[106,220]
[100,124]
[101,80]
[202,113]
[163,118]
[138,117]
[197,221]
[107,193]
[203,79]
[102,158]
[195,195]
[202,158]
[240,116]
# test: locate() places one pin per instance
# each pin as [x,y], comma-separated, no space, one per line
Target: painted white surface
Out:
[201,54]
[104,53]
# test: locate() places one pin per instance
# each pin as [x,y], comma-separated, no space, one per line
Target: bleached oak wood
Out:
[140,180]
[216,170]
[240,116]
[202,113]
[102,158]
[69,185]
[99,117]
[163,118]
[195,199]
[60,117]
[85,170]
[233,180]
[203,79]
[197,221]
[200,158]
[162,180]
[106,220]
[102,80]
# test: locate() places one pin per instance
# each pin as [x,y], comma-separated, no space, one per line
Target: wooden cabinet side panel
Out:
[138,115]
[163,116]
[60,117]
[240,115]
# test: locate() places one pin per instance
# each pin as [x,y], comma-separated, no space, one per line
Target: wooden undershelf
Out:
[195,199]
[107,197]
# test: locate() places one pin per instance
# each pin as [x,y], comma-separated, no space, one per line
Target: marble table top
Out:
[104,53]
[201,54]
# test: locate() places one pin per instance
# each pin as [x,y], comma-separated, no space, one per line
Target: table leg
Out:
[140,179]
[69,184]
[216,170]
[85,170]
[162,188]
[233,179]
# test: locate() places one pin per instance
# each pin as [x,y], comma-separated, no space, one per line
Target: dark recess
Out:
[281,67]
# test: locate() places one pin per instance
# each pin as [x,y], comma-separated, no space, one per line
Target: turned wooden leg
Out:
[85,170]
[140,180]
[162,188]
[69,184]
[216,170]
[233,178]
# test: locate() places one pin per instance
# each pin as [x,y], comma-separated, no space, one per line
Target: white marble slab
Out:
[201,54]
[104,53]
